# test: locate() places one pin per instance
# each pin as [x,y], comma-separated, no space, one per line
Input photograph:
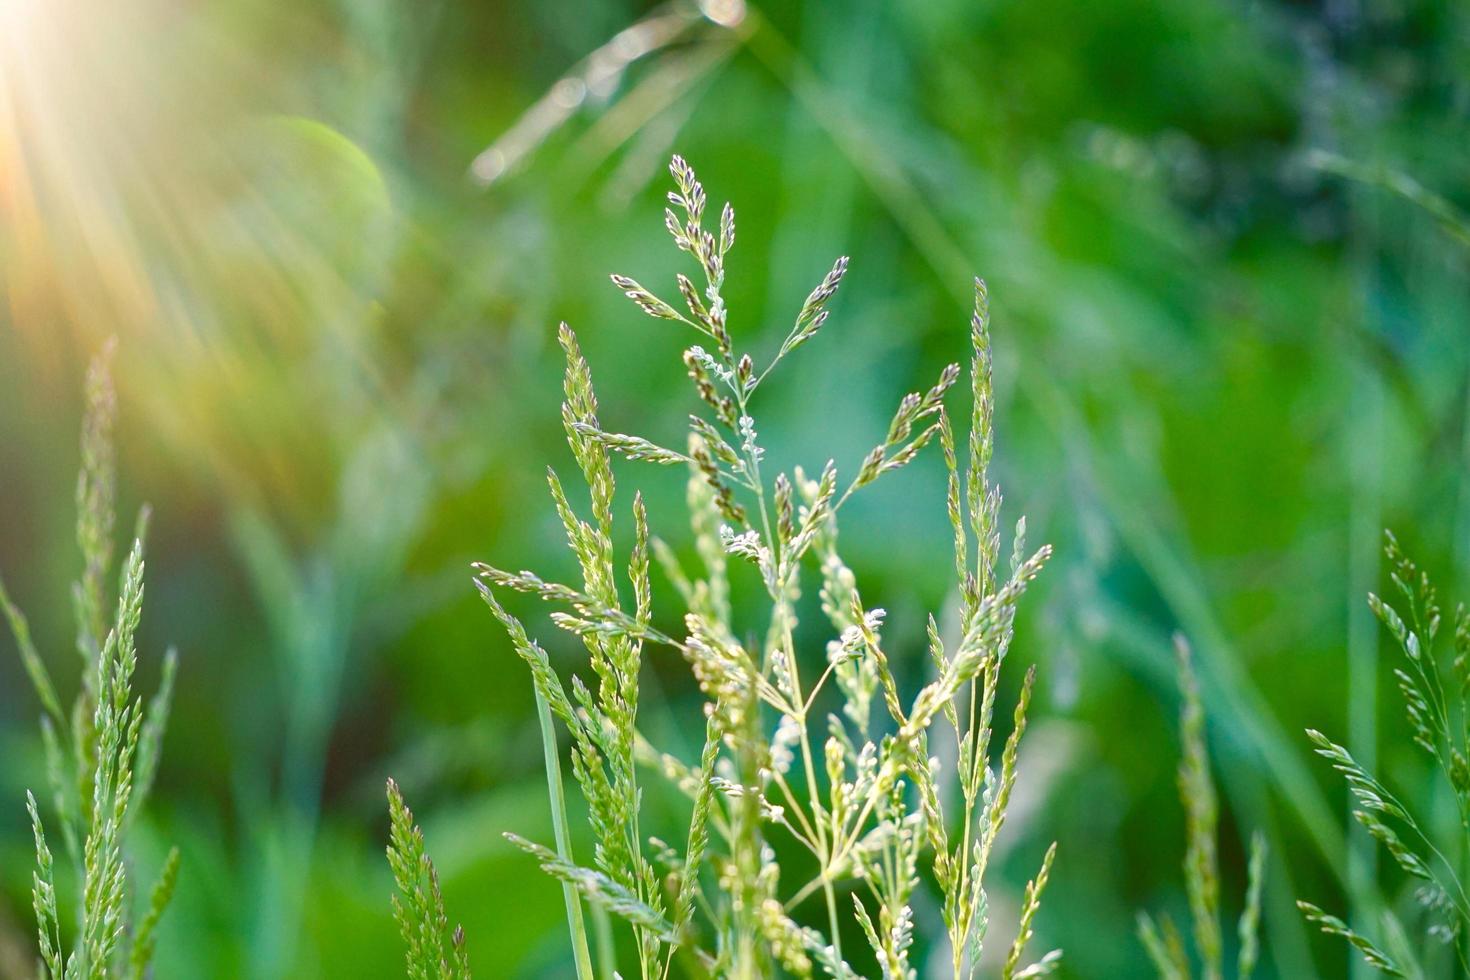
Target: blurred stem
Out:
[1462,517]
[1364,435]
[1363,537]
[883,175]
[563,842]
[1450,218]
[1147,651]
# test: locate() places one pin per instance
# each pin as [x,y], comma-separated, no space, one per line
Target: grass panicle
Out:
[856,787]
[1163,942]
[433,952]
[1434,686]
[102,754]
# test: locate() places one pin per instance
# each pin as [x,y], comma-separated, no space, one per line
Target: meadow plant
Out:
[102,754]
[1165,944]
[868,802]
[1428,851]
[420,914]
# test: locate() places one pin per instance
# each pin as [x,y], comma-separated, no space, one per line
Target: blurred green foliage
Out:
[1221,371]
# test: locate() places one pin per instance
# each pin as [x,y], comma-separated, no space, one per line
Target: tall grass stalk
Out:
[102,754]
[557,794]
[1163,940]
[432,951]
[1434,688]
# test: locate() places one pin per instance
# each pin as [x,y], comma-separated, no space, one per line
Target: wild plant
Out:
[869,804]
[102,755]
[1164,943]
[420,913]
[1434,688]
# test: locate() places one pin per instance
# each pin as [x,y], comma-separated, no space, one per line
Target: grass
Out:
[1430,852]
[869,804]
[102,754]
[1166,541]
[420,912]
[1163,941]
[879,818]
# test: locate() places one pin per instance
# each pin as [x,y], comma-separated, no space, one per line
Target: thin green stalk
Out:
[828,894]
[825,856]
[962,870]
[808,764]
[575,922]
[1365,437]
[607,957]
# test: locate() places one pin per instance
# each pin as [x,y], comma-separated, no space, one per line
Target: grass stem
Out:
[575,922]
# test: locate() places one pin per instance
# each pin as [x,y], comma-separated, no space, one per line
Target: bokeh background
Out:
[334,239]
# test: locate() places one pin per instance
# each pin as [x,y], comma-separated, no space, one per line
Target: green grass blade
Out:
[140,956]
[575,922]
[31,659]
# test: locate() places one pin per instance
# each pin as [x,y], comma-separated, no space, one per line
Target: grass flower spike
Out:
[1434,689]
[856,788]
[102,754]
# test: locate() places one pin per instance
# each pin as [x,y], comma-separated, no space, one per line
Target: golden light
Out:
[149,190]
